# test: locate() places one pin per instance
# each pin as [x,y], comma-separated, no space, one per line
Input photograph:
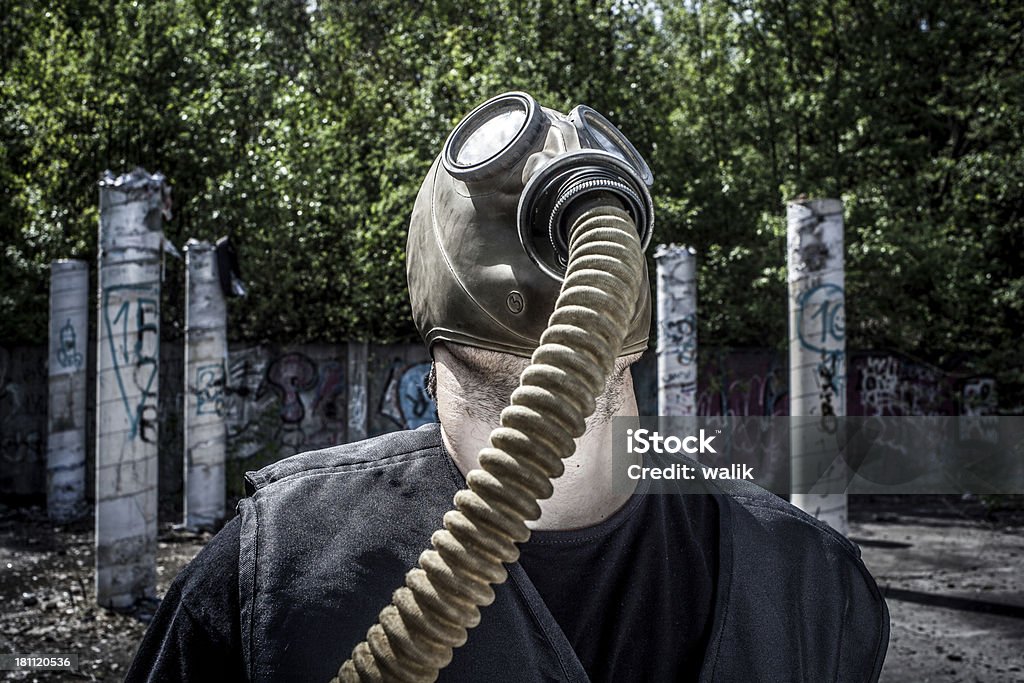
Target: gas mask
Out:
[487,242]
[530,227]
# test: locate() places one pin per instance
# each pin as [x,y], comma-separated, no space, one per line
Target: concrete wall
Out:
[23,406]
[284,400]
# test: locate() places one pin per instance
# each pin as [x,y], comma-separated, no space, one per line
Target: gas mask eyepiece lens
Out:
[493,133]
[602,134]
[494,137]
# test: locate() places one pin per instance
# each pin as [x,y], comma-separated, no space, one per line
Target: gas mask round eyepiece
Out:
[488,238]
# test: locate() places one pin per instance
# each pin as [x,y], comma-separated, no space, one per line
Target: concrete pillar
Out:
[677,330]
[65,442]
[357,391]
[817,354]
[206,352]
[127,373]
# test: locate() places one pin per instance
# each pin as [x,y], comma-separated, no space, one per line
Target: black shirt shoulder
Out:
[813,583]
[355,455]
[195,633]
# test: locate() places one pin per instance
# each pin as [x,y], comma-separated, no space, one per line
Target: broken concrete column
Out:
[677,330]
[817,355]
[65,442]
[128,338]
[206,351]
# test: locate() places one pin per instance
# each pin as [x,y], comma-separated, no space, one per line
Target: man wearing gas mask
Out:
[731,585]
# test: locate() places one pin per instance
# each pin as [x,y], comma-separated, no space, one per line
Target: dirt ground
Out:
[953,573]
[47,598]
[953,570]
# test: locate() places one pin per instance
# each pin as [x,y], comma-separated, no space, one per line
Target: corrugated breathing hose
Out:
[430,614]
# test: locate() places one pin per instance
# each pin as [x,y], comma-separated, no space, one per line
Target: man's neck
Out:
[583,496]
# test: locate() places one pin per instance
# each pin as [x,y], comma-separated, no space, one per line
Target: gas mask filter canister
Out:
[487,242]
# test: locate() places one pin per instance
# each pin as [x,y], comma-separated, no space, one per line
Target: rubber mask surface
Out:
[486,248]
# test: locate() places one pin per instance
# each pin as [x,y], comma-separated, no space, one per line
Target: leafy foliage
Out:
[303,130]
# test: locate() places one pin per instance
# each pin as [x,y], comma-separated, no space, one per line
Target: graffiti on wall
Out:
[677,330]
[680,339]
[281,401]
[821,330]
[890,385]
[744,384]
[756,383]
[301,399]
[979,397]
[209,389]
[68,354]
[405,401]
[979,404]
[284,403]
[131,316]
[311,394]
[879,385]
[681,336]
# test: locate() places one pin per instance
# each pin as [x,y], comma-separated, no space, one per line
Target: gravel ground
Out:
[953,569]
[47,598]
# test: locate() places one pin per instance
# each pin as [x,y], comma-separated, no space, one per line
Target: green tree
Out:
[303,131]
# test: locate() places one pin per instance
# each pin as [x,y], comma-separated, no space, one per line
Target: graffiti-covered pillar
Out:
[677,330]
[65,441]
[131,210]
[817,354]
[206,351]
[357,391]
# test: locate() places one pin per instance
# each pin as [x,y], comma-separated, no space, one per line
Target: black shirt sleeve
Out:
[195,634]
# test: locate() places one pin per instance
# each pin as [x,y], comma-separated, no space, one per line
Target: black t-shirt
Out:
[633,594]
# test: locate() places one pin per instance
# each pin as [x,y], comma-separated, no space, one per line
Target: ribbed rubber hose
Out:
[428,617]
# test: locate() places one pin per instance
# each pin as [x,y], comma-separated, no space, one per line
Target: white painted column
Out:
[817,353]
[677,330]
[127,376]
[206,351]
[69,340]
[357,391]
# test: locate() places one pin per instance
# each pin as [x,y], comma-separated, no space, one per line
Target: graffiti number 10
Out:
[822,321]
